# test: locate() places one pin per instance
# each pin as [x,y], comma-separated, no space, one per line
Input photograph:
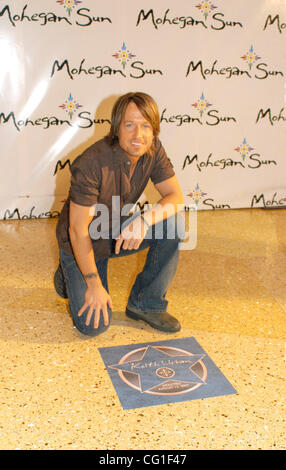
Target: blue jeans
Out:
[150,287]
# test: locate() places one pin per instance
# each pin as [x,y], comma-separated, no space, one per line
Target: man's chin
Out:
[137,152]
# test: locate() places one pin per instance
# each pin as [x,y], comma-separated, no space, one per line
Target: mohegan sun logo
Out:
[249,158]
[84,118]
[81,16]
[210,18]
[207,115]
[244,149]
[123,55]
[197,194]
[70,106]
[202,104]
[250,57]
[69,4]
[206,7]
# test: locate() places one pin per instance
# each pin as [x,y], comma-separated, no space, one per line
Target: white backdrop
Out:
[216,69]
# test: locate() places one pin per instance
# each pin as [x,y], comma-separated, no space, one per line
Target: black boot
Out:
[59,283]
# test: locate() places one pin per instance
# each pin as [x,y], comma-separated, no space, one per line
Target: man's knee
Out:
[90,330]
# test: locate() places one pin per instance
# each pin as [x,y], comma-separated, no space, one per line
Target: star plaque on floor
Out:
[149,374]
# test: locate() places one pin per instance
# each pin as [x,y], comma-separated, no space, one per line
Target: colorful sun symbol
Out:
[206,7]
[244,149]
[123,55]
[69,4]
[201,104]
[250,57]
[70,106]
[197,194]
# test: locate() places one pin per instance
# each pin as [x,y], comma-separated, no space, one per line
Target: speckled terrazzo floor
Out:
[229,293]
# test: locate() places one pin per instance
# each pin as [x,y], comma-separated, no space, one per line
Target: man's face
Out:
[135,133]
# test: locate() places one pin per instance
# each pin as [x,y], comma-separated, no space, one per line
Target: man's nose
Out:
[138,131]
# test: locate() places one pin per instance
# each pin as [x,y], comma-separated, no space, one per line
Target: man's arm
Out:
[96,297]
[171,200]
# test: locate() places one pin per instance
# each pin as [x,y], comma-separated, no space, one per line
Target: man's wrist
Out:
[90,275]
[145,221]
[92,278]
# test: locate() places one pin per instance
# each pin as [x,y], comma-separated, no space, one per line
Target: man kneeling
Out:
[120,165]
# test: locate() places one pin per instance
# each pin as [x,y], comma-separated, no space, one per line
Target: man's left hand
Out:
[132,235]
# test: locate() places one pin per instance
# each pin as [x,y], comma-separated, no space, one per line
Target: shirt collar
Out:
[119,154]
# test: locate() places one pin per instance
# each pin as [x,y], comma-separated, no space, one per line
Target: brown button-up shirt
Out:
[101,172]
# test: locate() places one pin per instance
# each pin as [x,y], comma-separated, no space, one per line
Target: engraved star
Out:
[157,367]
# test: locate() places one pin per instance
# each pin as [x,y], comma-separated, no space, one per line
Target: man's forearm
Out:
[83,252]
[166,207]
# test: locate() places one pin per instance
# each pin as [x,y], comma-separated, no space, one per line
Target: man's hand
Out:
[132,235]
[96,299]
